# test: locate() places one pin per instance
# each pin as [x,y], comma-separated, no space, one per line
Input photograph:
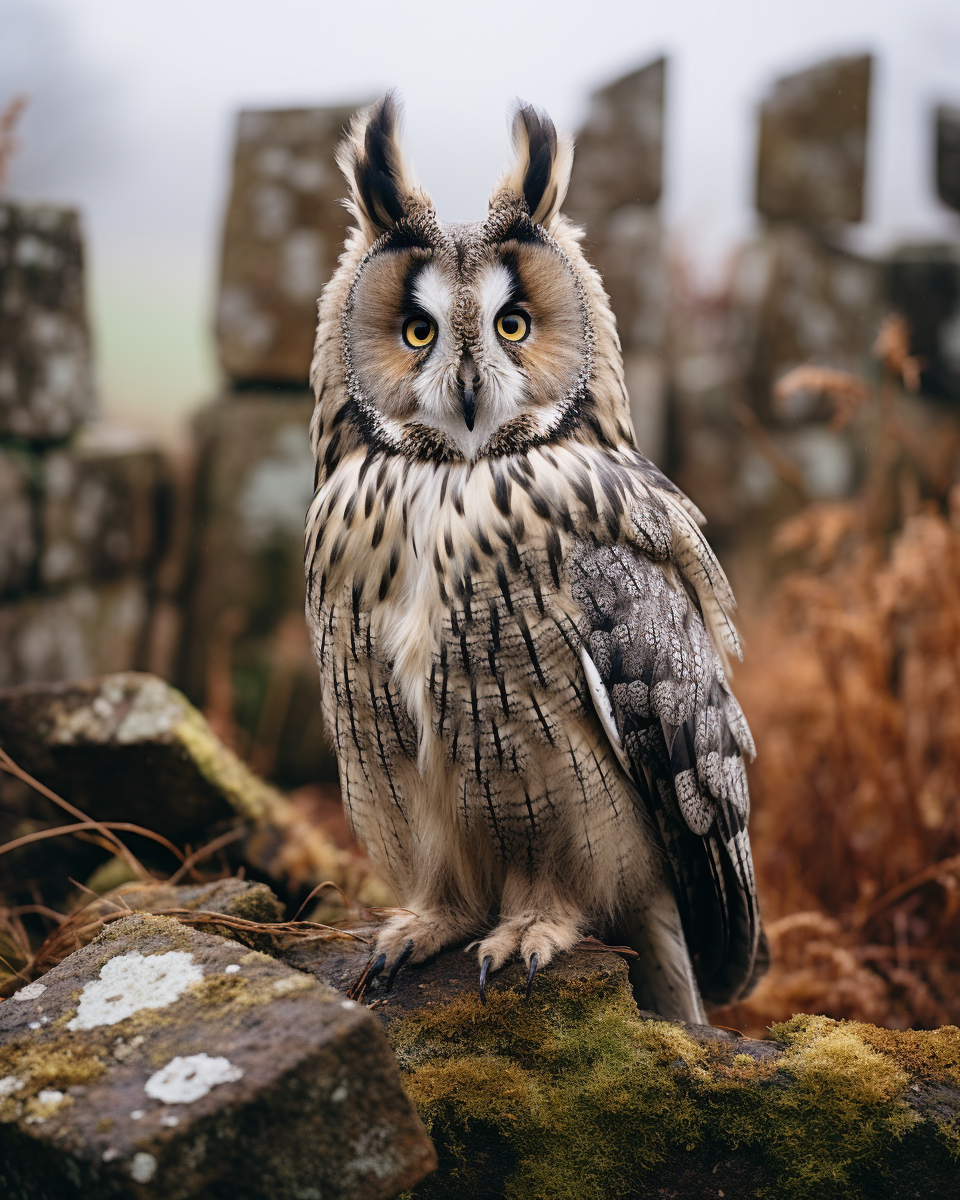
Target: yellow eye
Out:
[513,325]
[419,332]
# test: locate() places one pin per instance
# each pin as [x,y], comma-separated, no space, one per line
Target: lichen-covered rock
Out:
[813,143]
[284,229]
[245,615]
[163,1062]
[86,629]
[800,300]
[231,897]
[99,510]
[948,155]
[129,747]
[576,1093]
[619,158]
[18,538]
[46,386]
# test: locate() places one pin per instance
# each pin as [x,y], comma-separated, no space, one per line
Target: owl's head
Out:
[457,341]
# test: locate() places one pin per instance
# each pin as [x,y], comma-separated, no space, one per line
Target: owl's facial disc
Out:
[459,347]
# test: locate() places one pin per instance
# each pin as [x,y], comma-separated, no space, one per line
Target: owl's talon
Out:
[534,963]
[368,976]
[404,955]
[484,969]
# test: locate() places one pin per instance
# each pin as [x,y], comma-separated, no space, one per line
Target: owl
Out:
[520,627]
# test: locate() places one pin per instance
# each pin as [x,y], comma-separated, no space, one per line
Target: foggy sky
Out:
[132,110]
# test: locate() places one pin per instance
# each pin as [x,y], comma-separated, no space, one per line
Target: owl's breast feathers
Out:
[451,606]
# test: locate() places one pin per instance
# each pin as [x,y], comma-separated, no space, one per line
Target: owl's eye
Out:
[419,332]
[513,325]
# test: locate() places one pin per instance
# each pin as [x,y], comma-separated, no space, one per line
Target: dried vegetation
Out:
[852,687]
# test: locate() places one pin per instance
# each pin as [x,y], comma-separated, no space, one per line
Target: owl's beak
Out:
[467,381]
[468,402]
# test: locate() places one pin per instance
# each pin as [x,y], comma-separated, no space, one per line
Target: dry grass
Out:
[852,687]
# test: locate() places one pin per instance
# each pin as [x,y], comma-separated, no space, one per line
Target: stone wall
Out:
[246,654]
[79,502]
[614,193]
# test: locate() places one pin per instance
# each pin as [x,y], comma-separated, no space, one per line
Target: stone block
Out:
[88,629]
[948,155]
[811,162]
[627,248]
[163,1062]
[46,385]
[18,534]
[284,230]
[131,748]
[100,507]
[247,634]
[799,300]
[923,283]
[575,1092]
[619,149]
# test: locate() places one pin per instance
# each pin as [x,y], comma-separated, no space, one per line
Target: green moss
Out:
[573,1096]
[249,796]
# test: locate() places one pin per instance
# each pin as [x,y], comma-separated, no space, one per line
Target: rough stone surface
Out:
[798,300]
[86,629]
[100,507]
[228,897]
[614,188]
[245,620]
[131,748]
[18,535]
[46,387]
[145,1065]
[284,229]
[576,1093]
[948,155]
[923,283]
[619,149]
[813,143]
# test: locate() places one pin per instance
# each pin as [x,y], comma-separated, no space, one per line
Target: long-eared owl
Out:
[520,627]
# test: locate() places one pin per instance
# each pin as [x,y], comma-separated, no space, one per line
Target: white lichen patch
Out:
[143,1167]
[232,969]
[50,1096]
[291,983]
[184,1080]
[33,991]
[8,1085]
[132,982]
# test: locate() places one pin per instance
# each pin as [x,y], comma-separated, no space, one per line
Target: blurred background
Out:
[773,197]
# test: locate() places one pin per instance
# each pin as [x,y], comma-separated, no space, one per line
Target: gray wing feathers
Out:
[683,736]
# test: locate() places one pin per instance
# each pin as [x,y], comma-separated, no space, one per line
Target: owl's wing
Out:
[659,688]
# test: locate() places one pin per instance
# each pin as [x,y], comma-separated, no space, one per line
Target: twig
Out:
[40,834]
[225,839]
[7,764]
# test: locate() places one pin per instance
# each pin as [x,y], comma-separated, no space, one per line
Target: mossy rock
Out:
[577,1095]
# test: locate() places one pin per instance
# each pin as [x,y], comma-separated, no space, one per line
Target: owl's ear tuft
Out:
[540,173]
[383,187]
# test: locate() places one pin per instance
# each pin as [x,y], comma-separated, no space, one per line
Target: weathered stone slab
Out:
[18,535]
[619,149]
[46,386]
[812,155]
[576,1093]
[948,155]
[246,628]
[923,283]
[284,229]
[799,300]
[100,507]
[88,629]
[163,1062]
[131,748]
